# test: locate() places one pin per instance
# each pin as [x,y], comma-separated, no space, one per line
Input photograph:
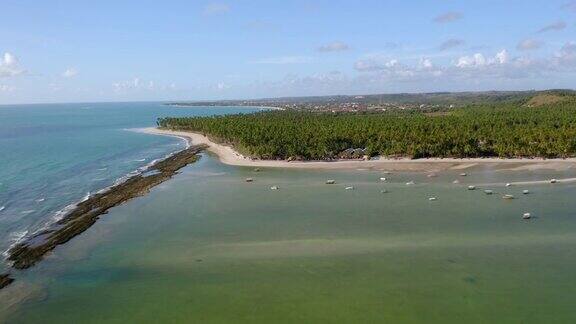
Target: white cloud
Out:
[502,57]
[448,17]
[284,60]
[367,65]
[6,88]
[392,70]
[560,25]
[476,60]
[500,66]
[215,9]
[221,86]
[376,63]
[426,63]
[9,59]
[319,83]
[391,63]
[334,47]
[379,72]
[139,85]
[9,66]
[70,73]
[529,44]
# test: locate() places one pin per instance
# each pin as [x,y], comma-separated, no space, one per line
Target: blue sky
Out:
[71,51]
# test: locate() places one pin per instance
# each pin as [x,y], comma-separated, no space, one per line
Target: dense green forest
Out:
[490,130]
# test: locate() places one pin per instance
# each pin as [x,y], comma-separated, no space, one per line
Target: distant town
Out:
[431,102]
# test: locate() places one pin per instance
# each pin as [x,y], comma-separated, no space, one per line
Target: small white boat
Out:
[432,175]
[525,192]
[383,191]
[464,174]
[456,181]
[471,187]
[409,183]
[432,199]
[387,172]
[508,197]
[349,188]
[553,181]
[508,184]
[257,170]
[488,192]
[249,180]
[330,181]
[527,216]
[382,179]
[274,188]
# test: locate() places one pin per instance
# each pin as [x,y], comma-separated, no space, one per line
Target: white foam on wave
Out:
[2,208]
[39,200]
[143,131]
[28,211]
[14,238]
[64,211]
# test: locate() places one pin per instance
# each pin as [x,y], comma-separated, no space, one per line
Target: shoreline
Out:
[233,106]
[227,155]
[84,214]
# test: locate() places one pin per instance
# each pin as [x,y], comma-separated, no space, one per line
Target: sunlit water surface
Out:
[207,247]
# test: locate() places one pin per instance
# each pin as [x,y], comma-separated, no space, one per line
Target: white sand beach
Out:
[228,155]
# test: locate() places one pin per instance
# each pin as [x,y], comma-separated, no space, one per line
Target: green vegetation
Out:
[404,100]
[489,130]
[548,98]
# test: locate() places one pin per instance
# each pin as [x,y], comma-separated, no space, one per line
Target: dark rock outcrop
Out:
[5,280]
[86,213]
[352,153]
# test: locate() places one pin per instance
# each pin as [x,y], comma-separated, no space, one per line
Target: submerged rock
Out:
[86,213]
[5,280]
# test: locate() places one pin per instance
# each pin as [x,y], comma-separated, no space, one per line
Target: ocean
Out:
[208,247]
[53,156]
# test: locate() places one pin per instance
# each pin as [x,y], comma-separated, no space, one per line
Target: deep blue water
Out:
[53,155]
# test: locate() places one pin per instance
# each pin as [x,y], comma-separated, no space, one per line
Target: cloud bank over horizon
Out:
[231,49]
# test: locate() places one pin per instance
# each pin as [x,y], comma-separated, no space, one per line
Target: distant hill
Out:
[437,100]
[550,97]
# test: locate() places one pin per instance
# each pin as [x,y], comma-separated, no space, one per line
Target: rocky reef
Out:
[86,213]
[5,280]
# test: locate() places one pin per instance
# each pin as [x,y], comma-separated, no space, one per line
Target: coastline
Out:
[227,155]
[84,214]
[237,106]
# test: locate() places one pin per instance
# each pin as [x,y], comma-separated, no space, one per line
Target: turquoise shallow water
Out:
[207,247]
[54,155]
